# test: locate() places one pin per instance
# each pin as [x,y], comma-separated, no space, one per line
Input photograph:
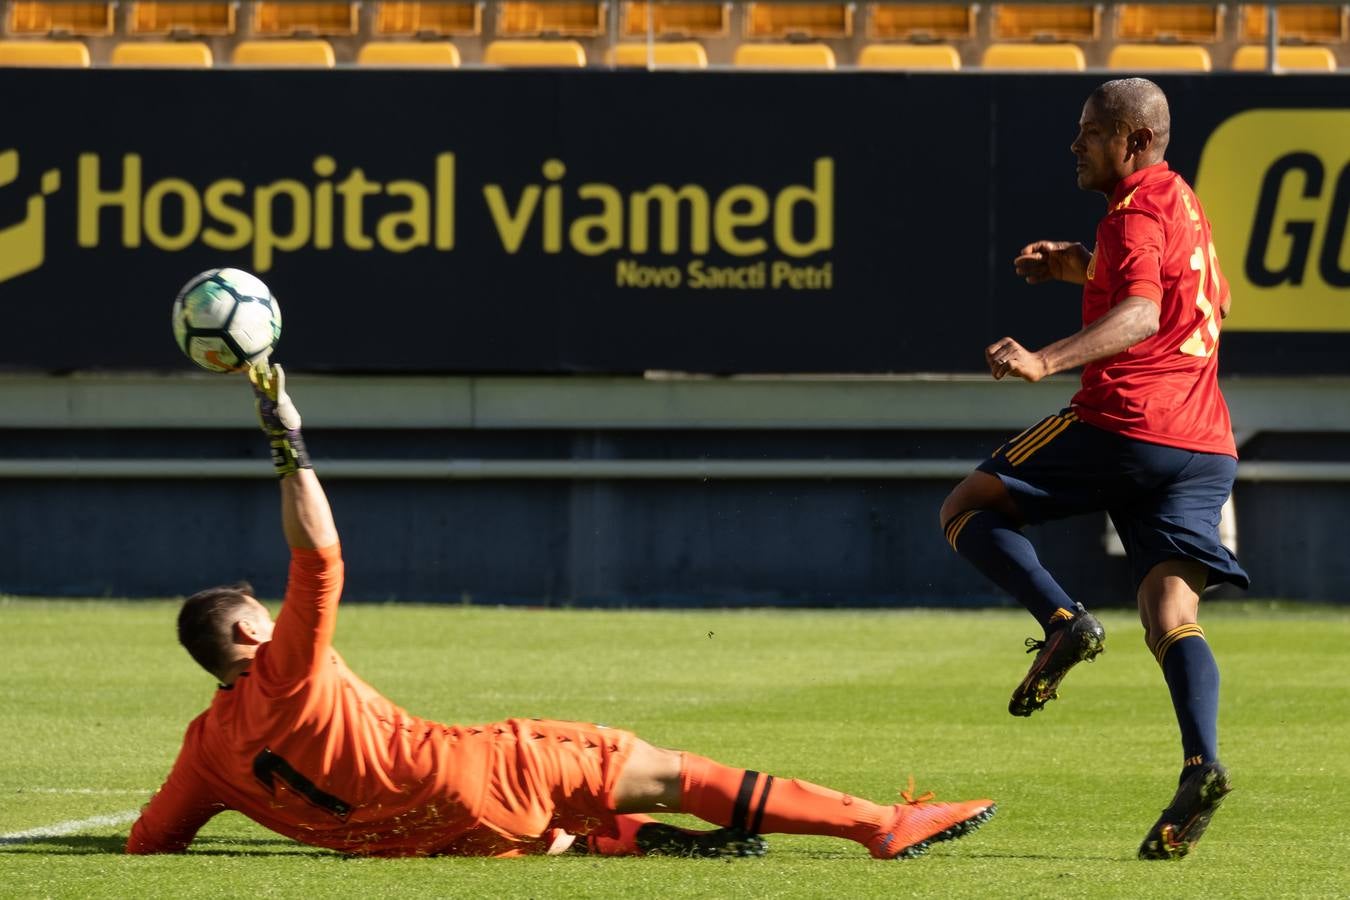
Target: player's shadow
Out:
[86,845]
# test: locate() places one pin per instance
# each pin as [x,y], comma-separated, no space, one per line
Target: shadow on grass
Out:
[85,845]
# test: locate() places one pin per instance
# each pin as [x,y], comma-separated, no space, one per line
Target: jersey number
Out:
[1196,344]
[267,766]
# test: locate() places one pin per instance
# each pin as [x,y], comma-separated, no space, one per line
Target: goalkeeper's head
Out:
[222,627]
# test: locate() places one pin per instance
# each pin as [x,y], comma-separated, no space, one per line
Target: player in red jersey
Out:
[298,743]
[1147,438]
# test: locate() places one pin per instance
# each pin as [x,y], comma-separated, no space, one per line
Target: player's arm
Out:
[179,809]
[1126,324]
[1053,261]
[308,617]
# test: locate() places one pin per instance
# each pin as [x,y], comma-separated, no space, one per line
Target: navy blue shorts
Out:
[1164,501]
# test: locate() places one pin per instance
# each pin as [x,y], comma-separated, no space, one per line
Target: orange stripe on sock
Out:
[1176,634]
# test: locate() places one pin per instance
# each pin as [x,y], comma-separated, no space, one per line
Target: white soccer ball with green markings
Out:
[226,319]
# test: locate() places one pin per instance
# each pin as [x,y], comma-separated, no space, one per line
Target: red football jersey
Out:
[302,746]
[1155,243]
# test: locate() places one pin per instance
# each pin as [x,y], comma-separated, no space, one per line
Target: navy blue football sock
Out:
[1193,678]
[1003,554]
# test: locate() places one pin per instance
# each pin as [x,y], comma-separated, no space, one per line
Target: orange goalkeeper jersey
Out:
[303,747]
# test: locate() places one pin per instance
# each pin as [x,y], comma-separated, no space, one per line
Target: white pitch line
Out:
[74,826]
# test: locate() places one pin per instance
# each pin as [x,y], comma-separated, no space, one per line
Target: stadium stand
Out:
[44,54]
[702,20]
[537,54]
[306,53]
[885,34]
[408,53]
[784,56]
[171,18]
[429,19]
[1159,57]
[1052,57]
[1190,23]
[570,19]
[920,21]
[163,54]
[1252,58]
[660,55]
[932,57]
[798,20]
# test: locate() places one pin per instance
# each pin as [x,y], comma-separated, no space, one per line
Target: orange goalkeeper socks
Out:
[762,804]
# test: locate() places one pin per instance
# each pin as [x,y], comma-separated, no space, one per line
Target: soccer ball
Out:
[224,319]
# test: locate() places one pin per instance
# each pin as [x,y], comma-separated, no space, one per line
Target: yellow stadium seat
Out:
[408,53]
[429,17]
[1046,22]
[909,56]
[1065,57]
[921,21]
[1191,23]
[162,54]
[1311,24]
[181,18]
[60,18]
[44,54]
[285,17]
[786,20]
[543,54]
[676,19]
[312,53]
[1140,57]
[784,56]
[663,55]
[529,19]
[1252,58]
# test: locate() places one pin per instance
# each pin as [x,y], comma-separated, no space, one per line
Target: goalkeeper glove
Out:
[279,419]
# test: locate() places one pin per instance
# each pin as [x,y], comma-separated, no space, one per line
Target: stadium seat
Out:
[1046,22]
[283,18]
[1060,57]
[44,54]
[313,53]
[1311,24]
[784,56]
[1158,57]
[920,21]
[1252,58]
[408,53]
[429,18]
[1190,23]
[541,54]
[909,56]
[790,20]
[181,18]
[162,54]
[59,17]
[676,19]
[663,55]
[576,19]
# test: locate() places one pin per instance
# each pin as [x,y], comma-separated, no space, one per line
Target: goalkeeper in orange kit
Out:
[299,744]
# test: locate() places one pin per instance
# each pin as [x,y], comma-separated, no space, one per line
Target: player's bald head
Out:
[1136,103]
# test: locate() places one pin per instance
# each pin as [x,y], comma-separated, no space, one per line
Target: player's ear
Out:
[246,631]
[1138,141]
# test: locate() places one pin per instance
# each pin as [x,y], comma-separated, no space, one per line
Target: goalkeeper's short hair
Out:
[205,621]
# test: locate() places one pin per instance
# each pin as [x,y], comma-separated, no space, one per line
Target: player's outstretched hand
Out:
[1007,357]
[276,413]
[1053,261]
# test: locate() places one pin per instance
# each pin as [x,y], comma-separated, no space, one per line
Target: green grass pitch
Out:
[96,695]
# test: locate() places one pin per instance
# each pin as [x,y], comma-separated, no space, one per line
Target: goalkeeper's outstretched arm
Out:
[306,518]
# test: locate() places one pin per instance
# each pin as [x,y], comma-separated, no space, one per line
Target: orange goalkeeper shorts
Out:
[546,775]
